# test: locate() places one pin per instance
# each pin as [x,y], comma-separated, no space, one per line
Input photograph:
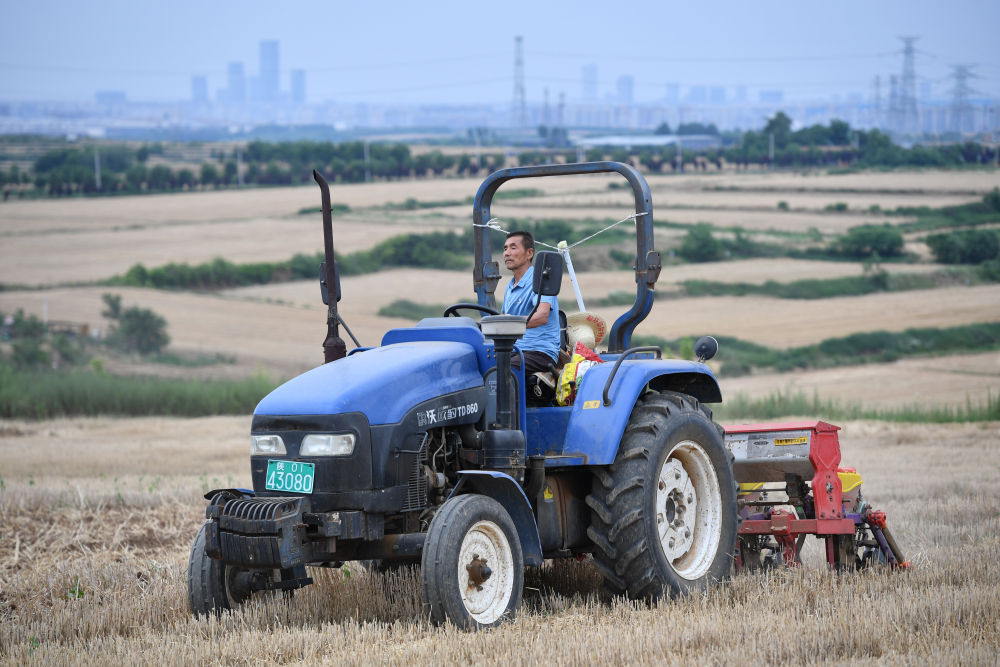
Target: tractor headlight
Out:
[266,444]
[324,444]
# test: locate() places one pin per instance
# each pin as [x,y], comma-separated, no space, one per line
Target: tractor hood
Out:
[382,383]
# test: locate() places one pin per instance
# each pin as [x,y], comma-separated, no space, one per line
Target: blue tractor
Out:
[428,449]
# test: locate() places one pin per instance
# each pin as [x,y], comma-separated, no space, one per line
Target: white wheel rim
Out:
[688,510]
[485,600]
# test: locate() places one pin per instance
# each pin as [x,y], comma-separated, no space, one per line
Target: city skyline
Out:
[353,54]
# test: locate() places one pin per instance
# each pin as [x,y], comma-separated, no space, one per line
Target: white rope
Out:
[494,224]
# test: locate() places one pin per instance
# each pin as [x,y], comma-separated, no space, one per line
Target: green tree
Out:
[141,330]
[991,199]
[136,176]
[697,128]
[965,247]
[699,245]
[209,174]
[185,178]
[229,173]
[781,127]
[113,304]
[160,178]
[29,353]
[840,133]
[864,241]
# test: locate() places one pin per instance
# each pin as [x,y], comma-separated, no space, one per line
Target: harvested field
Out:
[293,316]
[952,381]
[788,322]
[757,220]
[62,257]
[451,286]
[276,337]
[917,182]
[98,516]
[125,211]
[667,198]
[60,241]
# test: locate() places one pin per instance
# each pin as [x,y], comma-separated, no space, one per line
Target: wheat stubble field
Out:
[97,514]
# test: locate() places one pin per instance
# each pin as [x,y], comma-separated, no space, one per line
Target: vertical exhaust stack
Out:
[333,346]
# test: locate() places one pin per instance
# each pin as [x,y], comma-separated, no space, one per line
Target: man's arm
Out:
[541,315]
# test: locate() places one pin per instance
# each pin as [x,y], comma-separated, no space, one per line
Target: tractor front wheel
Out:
[663,515]
[214,586]
[472,566]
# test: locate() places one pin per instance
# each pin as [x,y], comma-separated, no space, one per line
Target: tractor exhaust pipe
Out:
[333,346]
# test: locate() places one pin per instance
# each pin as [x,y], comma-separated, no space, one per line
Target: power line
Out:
[714,59]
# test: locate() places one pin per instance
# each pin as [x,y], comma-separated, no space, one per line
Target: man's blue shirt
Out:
[518,299]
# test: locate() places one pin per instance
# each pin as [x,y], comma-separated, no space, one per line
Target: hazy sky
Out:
[463,52]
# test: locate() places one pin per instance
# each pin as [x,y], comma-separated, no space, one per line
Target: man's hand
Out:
[541,315]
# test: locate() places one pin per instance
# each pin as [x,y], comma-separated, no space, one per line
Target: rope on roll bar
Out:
[494,224]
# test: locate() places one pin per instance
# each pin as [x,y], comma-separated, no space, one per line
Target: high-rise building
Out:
[673,93]
[771,96]
[589,91]
[199,89]
[110,97]
[269,86]
[626,89]
[697,95]
[299,86]
[236,84]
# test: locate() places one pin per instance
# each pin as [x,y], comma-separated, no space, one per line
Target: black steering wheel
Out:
[452,310]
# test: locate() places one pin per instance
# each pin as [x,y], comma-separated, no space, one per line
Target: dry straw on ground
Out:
[97,517]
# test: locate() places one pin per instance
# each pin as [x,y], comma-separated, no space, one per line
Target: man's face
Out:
[515,256]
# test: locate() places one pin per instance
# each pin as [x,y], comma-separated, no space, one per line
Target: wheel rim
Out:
[485,572]
[238,584]
[688,510]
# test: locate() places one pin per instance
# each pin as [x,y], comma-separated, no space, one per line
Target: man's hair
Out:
[527,240]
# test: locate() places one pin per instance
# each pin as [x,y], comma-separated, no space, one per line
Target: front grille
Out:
[416,482]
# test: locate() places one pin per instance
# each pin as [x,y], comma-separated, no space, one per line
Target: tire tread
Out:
[623,551]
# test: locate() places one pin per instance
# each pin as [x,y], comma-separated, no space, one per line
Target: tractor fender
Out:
[235,491]
[503,489]
[595,429]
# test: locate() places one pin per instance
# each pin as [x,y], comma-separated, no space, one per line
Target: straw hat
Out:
[586,328]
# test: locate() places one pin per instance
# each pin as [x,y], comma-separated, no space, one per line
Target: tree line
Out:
[71,170]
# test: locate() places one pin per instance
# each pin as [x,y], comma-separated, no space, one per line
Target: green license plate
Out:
[291,476]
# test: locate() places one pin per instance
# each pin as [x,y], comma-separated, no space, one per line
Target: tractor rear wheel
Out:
[472,568]
[663,515]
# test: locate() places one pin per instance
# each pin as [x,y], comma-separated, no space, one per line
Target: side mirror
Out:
[705,348]
[548,273]
[323,289]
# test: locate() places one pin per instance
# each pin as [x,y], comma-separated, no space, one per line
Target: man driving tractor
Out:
[540,345]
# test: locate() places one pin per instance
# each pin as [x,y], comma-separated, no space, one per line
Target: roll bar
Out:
[486,273]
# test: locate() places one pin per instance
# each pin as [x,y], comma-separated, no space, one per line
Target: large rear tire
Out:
[664,513]
[472,567]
